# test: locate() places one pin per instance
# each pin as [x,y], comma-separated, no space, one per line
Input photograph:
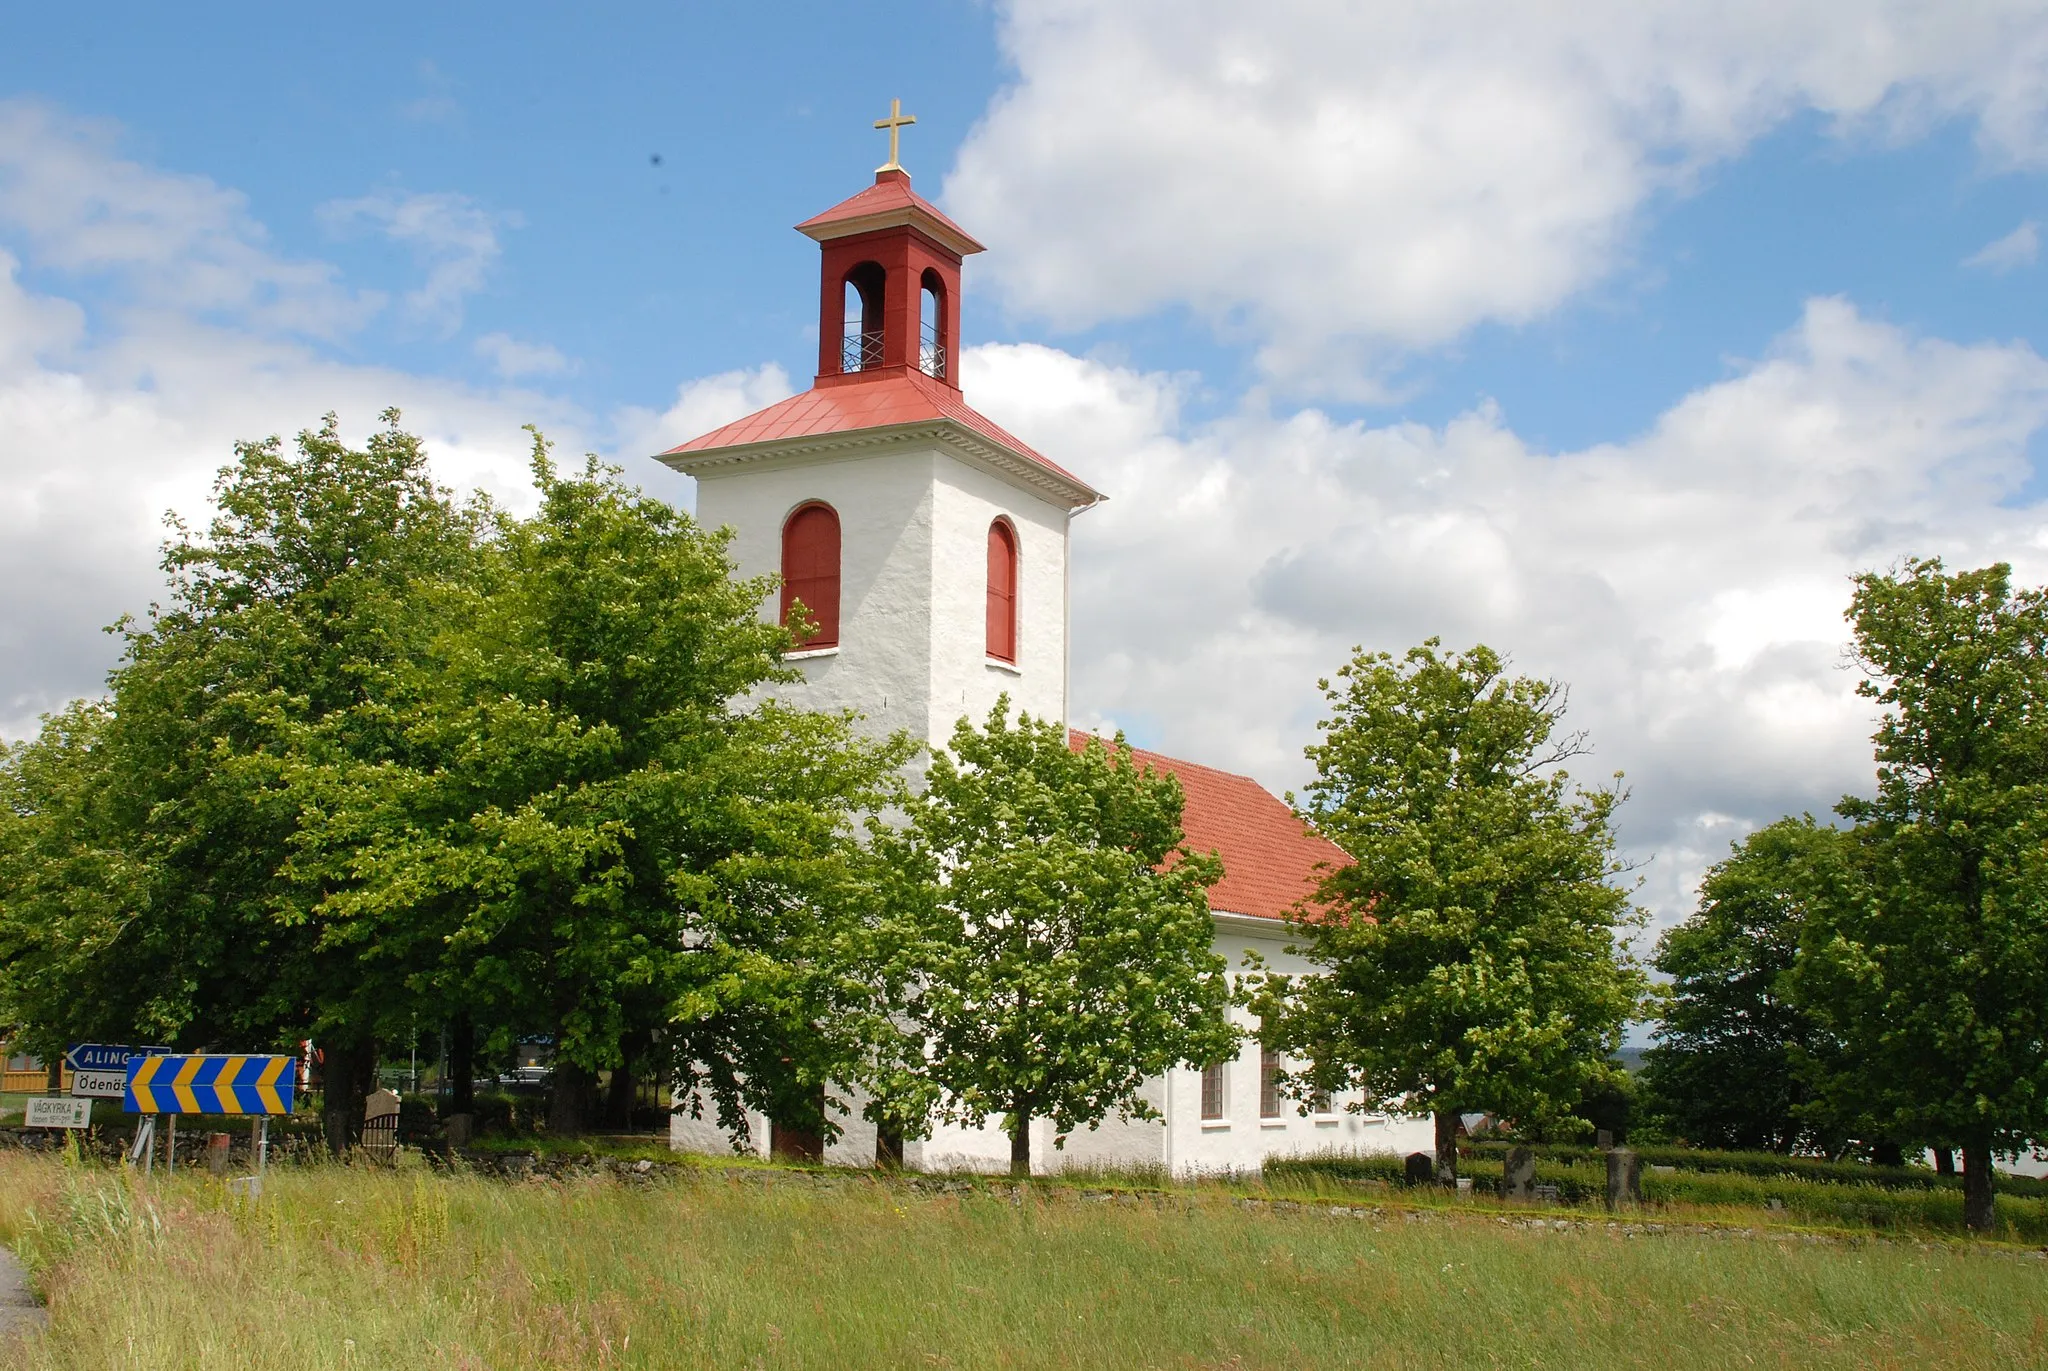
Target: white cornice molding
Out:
[949,435]
[1252,926]
[896,216]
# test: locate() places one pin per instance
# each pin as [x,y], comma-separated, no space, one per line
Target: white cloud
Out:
[109,426]
[1337,181]
[174,242]
[2016,249]
[700,406]
[514,359]
[1689,583]
[452,236]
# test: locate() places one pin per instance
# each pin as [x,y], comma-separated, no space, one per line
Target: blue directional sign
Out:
[210,1085]
[106,1056]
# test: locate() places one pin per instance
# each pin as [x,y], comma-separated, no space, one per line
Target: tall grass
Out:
[345,1267]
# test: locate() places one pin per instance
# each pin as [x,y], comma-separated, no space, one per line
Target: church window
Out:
[810,571]
[1269,1083]
[1002,591]
[1214,1080]
[862,315]
[931,326]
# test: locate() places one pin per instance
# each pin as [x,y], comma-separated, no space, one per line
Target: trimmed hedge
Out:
[1768,1165]
[1814,1203]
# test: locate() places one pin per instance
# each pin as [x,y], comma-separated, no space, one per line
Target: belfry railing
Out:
[931,353]
[860,349]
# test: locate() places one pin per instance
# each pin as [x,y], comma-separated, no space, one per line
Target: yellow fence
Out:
[31,1082]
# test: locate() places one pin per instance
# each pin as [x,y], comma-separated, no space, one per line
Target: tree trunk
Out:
[618,1103]
[55,1080]
[462,1066]
[1979,1208]
[567,1101]
[1885,1152]
[347,1075]
[1020,1145]
[1944,1161]
[1446,1148]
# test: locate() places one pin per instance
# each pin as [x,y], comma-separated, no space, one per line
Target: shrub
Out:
[1773,1164]
[1582,1180]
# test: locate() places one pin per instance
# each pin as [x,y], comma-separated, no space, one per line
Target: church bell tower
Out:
[926,546]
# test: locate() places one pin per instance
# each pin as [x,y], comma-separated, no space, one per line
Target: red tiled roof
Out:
[1269,856]
[905,396]
[889,200]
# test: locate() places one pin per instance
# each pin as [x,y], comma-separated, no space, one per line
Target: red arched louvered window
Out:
[810,570]
[1002,591]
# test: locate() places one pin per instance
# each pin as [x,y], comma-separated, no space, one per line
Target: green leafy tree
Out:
[1725,1068]
[1934,990]
[1468,956]
[597,827]
[153,830]
[68,884]
[1059,928]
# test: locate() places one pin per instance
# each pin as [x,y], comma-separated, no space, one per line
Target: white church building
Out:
[930,548]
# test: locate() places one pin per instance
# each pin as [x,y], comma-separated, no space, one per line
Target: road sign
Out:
[100,1085]
[106,1056]
[210,1085]
[57,1111]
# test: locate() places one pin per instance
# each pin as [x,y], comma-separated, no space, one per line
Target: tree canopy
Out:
[1468,959]
[1934,989]
[384,759]
[1060,928]
[1725,1069]
[148,836]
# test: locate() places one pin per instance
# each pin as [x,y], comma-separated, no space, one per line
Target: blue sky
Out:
[645,274]
[1617,335]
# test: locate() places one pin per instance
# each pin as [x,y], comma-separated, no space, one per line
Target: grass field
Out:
[345,1267]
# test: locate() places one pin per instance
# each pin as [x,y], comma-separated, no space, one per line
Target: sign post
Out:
[144,1150]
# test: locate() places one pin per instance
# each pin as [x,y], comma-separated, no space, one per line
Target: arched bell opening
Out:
[931,325]
[862,346]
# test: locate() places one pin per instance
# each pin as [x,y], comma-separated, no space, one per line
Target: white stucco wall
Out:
[965,680]
[884,503]
[913,592]
[1242,1140]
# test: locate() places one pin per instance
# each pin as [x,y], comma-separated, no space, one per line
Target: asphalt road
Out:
[20,1315]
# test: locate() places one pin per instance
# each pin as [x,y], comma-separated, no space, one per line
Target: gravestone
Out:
[217,1153]
[1518,1177]
[1420,1168]
[460,1128]
[1602,1139]
[1624,1179]
[380,1124]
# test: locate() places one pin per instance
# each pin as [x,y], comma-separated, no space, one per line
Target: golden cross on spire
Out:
[894,123]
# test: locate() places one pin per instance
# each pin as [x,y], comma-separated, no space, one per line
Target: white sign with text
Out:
[57,1111]
[99,1085]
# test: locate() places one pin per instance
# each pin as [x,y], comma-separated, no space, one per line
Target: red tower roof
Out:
[1271,859]
[890,369]
[888,203]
